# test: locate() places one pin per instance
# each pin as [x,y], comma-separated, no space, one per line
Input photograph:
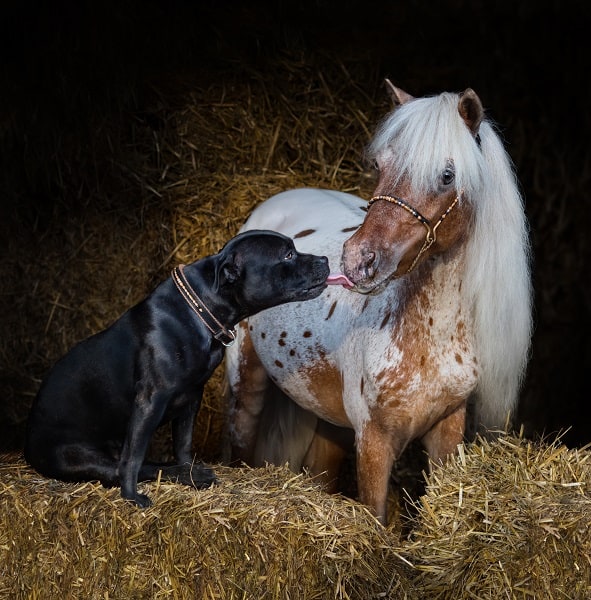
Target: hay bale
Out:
[260,533]
[505,518]
[509,518]
[203,152]
[232,145]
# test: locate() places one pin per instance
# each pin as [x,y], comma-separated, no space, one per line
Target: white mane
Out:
[421,137]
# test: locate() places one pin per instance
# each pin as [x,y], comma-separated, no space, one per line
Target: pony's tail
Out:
[285,432]
[499,285]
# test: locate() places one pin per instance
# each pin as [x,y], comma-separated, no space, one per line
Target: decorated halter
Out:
[431,236]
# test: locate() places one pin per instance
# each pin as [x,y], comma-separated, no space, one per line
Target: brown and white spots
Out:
[324,380]
[331,310]
[304,233]
[416,367]
[263,335]
[281,342]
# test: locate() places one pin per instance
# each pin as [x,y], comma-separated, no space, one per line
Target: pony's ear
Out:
[470,109]
[397,95]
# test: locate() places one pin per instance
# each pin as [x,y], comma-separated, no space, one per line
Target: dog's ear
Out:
[228,272]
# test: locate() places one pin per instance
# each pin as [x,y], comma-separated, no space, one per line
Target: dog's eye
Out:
[289,255]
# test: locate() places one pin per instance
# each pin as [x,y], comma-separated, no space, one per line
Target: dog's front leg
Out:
[182,428]
[145,418]
[188,471]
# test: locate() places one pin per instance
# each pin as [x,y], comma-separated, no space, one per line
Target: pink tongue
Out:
[339,279]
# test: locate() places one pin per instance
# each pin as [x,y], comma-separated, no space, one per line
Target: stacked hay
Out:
[237,143]
[503,519]
[506,519]
[201,155]
[261,533]
[241,142]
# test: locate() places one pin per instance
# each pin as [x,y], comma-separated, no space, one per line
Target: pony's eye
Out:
[448,176]
[289,255]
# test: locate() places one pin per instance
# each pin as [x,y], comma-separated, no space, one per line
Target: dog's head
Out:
[262,269]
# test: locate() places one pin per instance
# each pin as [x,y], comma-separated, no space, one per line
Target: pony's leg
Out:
[326,453]
[246,386]
[443,438]
[376,453]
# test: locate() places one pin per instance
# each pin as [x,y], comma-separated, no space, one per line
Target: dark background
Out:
[72,70]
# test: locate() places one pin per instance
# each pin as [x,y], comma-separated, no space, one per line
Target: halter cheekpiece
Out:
[226,336]
[431,236]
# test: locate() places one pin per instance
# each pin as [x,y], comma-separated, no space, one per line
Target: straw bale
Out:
[205,150]
[259,533]
[503,518]
[509,518]
[233,144]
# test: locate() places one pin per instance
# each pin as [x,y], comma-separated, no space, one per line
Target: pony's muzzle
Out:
[360,263]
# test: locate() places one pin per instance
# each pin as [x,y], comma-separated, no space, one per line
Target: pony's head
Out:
[429,164]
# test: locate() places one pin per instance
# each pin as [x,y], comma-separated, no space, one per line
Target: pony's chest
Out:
[427,358]
[354,347]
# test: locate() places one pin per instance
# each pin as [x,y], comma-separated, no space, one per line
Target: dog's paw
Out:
[202,475]
[141,500]
[197,475]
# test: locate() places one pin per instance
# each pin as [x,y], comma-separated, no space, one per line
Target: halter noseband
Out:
[431,236]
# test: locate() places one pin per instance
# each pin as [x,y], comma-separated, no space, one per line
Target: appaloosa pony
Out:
[435,307]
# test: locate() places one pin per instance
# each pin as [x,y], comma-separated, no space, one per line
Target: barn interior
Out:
[135,135]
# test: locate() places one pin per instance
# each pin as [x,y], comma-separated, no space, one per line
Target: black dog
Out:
[98,408]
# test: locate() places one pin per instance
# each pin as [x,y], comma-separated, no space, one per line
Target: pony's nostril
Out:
[370,263]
